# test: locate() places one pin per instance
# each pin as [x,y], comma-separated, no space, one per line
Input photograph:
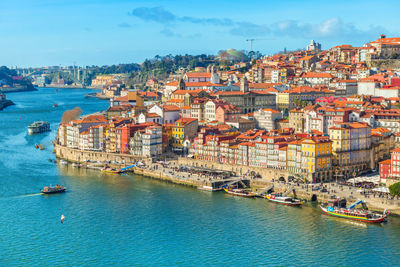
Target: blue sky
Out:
[99,32]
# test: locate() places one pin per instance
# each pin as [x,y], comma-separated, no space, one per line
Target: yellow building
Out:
[316,154]
[340,137]
[183,128]
[296,120]
[351,148]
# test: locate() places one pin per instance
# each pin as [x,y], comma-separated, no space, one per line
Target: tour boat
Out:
[289,201]
[239,192]
[336,207]
[53,189]
[39,127]
[357,215]
[209,188]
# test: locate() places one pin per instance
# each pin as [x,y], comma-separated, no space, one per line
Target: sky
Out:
[37,33]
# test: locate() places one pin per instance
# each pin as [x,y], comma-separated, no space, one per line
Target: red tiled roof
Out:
[171,108]
[198,74]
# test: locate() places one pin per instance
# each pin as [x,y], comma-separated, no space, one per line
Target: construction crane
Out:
[252,41]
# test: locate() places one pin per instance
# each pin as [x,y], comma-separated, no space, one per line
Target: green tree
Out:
[394,189]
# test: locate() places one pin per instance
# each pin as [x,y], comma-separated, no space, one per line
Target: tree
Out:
[394,189]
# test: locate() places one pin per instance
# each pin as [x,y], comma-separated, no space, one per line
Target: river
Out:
[131,220]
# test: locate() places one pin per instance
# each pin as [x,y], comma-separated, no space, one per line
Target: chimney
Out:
[383,36]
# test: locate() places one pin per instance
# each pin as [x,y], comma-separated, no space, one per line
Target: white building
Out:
[266,118]
[152,141]
[314,46]
[167,113]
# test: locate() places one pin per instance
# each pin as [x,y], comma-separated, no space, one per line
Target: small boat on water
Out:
[53,189]
[111,171]
[55,105]
[284,200]
[334,209]
[209,188]
[63,162]
[240,192]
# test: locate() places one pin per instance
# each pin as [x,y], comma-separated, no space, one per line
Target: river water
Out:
[131,220]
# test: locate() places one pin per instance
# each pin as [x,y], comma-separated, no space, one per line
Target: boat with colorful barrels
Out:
[53,189]
[335,208]
[240,192]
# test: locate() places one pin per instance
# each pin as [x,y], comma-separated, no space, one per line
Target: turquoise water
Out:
[125,220]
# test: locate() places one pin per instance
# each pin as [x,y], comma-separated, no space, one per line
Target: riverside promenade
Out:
[171,172]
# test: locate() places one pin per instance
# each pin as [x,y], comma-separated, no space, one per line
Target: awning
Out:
[381,189]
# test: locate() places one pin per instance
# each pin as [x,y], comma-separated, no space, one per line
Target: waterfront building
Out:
[84,140]
[395,164]
[62,134]
[294,160]
[351,147]
[135,144]
[96,137]
[152,141]
[316,158]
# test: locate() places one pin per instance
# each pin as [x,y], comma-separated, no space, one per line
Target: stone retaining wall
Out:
[267,174]
[77,155]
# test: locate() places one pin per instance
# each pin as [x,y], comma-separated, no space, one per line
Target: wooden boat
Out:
[53,189]
[110,171]
[356,215]
[334,209]
[209,188]
[289,201]
[239,192]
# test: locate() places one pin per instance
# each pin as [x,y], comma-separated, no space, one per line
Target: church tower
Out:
[181,84]
[244,86]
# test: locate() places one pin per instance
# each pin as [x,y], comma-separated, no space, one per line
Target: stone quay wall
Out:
[267,174]
[159,175]
[81,156]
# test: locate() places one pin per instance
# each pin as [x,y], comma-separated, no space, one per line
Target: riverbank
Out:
[6,103]
[98,95]
[17,89]
[170,174]
[82,156]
